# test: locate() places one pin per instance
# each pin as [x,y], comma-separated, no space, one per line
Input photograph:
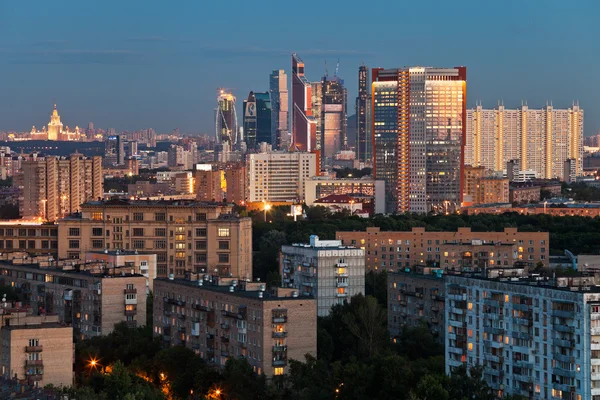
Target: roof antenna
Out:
[326,70]
[337,67]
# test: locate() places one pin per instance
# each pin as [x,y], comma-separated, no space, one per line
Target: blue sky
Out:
[135,64]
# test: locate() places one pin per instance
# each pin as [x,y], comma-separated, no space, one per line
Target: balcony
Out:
[34,362]
[33,349]
[563,343]
[564,372]
[491,303]
[342,284]
[131,324]
[341,294]
[280,319]
[493,331]
[130,312]
[130,301]
[564,328]
[563,358]
[130,291]
[175,302]
[520,307]
[225,339]
[523,364]
[491,371]
[34,377]
[278,363]
[199,307]
[279,349]
[563,314]
[225,327]
[277,335]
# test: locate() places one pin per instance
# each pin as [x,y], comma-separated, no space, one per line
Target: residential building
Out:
[541,139]
[325,269]
[90,297]
[34,237]
[222,318]
[128,261]
[367,188]
[399,249]
[35,348]
[521,193]
[304,129]
[186,236]
[208,185]
[280,138]
[280,176]
[147,189]
[534,336]
[482,188]
[418,131]
[56,186]
[363,140]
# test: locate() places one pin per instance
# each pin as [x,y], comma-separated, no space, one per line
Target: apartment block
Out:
[541,139]
[33,236]
[56,186]
[482,188]
[325,269]
[280,176]
[128,261]
[221,318]
[92,298]
[389,250]
[35,348]
[535,336]
[186,236]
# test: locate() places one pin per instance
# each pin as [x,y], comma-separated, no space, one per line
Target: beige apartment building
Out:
[400,249]
[33,236]
[220,318]
[92,298]
[56,186]
[128,261]
[36,348]
[186,236]
[482,188]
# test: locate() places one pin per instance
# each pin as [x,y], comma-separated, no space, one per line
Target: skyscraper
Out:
[363,141]
[114,151]
[250,120]
[226,118]
[418,131]
[279,110]
[542,140]
[304,134]
[333,117]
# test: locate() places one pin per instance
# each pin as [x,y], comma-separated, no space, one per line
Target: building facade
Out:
[186,236]
[363,140]
[36,348]
[226,118]
[418,131]
[317,187]
[56,186]
[34,237]
[280,138]
[324,269]
[393,250]
[541,139]
[333,118]
[279,176]
[304,128]
[223,318]
[536,337]
[91,301]
[482,188]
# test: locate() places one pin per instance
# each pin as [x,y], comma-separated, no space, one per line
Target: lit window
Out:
[470,346]
[341,290]
[223,232]
[278,371]
[470,306]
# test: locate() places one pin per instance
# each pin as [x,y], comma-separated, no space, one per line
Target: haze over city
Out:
[133,65]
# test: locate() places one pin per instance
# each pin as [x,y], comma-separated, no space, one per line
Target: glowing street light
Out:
[266,208]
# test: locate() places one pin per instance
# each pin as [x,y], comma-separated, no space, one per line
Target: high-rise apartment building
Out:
[223,318]
[186,236]
[280,176]
[324,269]
[304,128]
[392,250]
[56,186]
[418,131]
[363,140]
[226,118]
[333,117]
[542,140]
[535,336]
[280,138]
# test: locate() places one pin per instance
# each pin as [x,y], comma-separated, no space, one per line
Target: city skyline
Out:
[149,73]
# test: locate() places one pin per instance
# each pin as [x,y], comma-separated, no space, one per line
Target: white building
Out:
[541,139]
[325,269]
[534,337]
[279,176]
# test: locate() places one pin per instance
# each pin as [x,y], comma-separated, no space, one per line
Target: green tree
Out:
[240,382]
[367,323]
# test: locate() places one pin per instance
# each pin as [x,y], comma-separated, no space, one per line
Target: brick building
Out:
[222,318]
[34,237]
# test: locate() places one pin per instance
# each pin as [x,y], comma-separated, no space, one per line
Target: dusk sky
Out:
[137,64]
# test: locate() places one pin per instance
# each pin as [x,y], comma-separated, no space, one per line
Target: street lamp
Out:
[545,202]
[266,208]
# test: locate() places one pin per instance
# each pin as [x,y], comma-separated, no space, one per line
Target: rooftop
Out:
[154,203]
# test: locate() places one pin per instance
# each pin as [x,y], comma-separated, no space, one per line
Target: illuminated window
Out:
[506,298]
[179,237]
[223,232]
[470,306]
[470,333]
[341,290]
[278,371]
[97,216]
[449,328]
[470,346]
[506,339]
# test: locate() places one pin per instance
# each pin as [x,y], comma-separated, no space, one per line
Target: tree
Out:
[417,342]
[376,286]
[269,248]
[240,382]
[367,323]
[469,384]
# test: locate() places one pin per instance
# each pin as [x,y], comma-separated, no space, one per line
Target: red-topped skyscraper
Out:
[304,128]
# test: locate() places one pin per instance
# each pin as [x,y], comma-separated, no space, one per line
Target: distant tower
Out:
[333,118]
[250,120]
[363,140]
[304,129]
[279,109]
[226,118]
[55,127]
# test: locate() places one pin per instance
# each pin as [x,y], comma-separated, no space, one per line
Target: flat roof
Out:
[37,268]
[161,202]
[224,289]
[534,282]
